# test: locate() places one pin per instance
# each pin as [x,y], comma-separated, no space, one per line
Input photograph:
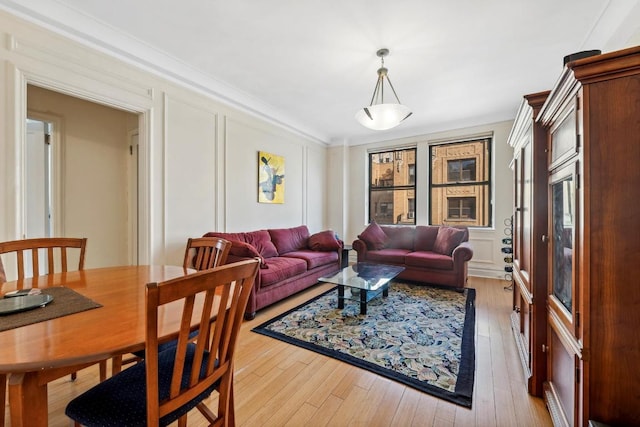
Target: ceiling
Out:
[310,65]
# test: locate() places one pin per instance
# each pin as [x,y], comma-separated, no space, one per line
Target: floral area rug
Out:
[421,336]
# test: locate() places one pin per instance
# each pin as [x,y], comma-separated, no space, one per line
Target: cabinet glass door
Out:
[563,223]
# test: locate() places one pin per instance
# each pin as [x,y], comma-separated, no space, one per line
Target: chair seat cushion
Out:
[121,399]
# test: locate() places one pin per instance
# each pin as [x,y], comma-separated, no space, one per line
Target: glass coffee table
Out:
[365,281]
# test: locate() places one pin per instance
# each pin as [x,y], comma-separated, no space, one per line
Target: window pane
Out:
[468,170]
[453,168]
[461,208]
[461,170]
[392,206]
[381,171]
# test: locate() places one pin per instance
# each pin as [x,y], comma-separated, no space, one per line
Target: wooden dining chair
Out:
[46,255]
[55,258]
[168,384]
[203,253]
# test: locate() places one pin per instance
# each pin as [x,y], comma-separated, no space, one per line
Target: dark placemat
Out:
[65,301]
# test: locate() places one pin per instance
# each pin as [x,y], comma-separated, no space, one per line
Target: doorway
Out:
[90,176]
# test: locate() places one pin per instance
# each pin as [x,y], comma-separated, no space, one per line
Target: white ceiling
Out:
[310,65]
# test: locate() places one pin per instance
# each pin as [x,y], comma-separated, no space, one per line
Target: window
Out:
[461,207]
[392,186]
[459,183]
[461,170]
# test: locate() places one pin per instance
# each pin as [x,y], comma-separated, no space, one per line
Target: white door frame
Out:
[16,121]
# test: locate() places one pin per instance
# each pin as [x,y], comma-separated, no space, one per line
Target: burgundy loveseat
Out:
[291,259]
[429,254]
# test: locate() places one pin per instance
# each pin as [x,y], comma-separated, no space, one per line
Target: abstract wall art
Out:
[270,178]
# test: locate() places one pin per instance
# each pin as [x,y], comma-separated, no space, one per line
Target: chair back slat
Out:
[51,245]
[21,264]
[203,332]
[215,299]
[203,253]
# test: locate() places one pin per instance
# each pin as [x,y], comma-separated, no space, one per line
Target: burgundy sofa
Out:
[429,254]
[291,259]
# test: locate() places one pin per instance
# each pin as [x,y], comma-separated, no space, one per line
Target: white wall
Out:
[305,169]
[199,160]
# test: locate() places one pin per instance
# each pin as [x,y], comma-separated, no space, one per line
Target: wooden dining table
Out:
[33,355]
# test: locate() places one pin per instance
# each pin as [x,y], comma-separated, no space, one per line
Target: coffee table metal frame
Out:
[369,278]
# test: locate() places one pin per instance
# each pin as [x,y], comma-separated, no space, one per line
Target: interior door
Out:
[38,215]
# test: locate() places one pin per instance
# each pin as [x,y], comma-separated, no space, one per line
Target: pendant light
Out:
[380,115]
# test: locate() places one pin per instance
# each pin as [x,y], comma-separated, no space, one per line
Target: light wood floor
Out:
[277,384]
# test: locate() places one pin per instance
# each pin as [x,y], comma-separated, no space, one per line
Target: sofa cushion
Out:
[227,236]
[400,237]
[428,259]
[373,236]
[261,240]
[425,237]
[243,249]
[447,240]
[324,241]
[289,239]
[313,258]
[281,268]
[389,255]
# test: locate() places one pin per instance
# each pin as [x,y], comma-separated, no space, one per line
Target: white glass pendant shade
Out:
[382,116]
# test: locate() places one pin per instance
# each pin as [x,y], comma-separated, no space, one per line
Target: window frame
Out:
[391,156]
[487,182]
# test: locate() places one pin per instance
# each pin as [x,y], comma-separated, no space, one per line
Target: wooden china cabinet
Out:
[592,122]
[528,319]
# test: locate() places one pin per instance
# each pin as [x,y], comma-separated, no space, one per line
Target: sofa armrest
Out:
[361,249]
[462,253]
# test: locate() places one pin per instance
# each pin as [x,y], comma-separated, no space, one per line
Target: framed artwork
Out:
[270,178]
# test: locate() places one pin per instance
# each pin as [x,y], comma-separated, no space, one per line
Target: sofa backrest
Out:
[425,237]
[399,237]
[289,239]
[260,240]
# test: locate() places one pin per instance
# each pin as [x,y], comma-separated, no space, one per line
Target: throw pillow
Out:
[324,241]
[245,250]
[262,242]
[289,239]
[373,236]
[447,240]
